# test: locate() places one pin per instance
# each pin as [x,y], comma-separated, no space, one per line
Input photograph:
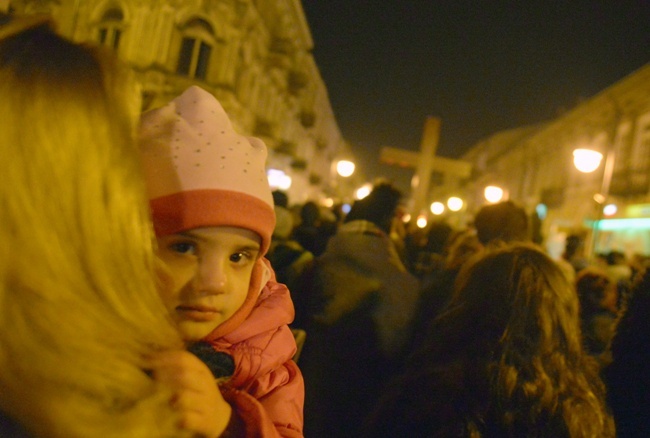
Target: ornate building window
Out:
[196,46]
[110,28]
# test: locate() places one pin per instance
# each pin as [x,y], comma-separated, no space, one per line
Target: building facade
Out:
[253,55]
[535,167]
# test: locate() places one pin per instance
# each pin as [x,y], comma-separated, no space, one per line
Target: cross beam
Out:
[410,159]
[425,162]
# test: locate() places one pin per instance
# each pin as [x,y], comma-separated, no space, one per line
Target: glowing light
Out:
[328,202]
[622,224]
[437,208]
[345,208]
[345,168]
[610,210]
[406,218]
[599,198]
[421,222]
[454,203]
[541,210]
[586,160]
[278,179]
[362,192]
[493,194]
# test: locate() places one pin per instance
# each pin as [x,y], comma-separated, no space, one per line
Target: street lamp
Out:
[437,208]
[493,194]
[454,203]
[587,161]
[345,168]
[421,221]
[610,209]
[340,171]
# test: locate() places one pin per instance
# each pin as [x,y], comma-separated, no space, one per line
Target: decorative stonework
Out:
[254,56]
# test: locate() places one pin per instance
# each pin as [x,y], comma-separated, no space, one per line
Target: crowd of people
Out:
[152,285]
[501,339]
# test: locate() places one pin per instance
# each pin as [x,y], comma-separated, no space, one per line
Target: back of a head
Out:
[310,213]
[505,222]
[591,285]
[616,258]
[517,301]
[573,244]
[79,304]
[521,286]
[280,199]
[378,207]
[438,237]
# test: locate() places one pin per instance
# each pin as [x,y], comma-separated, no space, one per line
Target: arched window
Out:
[196,47]
[110,28]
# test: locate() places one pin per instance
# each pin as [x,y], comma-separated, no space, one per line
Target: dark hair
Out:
[378,207]
[438,237]
[505,221]
[592,285]
[531,332]
[573,243]
[504,359]
[615,258]
[280,199]
[310,213]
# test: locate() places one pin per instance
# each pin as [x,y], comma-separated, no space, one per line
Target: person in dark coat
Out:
[363,302]
[628,375]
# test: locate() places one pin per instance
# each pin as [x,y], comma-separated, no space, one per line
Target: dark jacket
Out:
[362,309]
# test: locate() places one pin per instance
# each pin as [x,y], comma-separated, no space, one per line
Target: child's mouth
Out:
[198,312]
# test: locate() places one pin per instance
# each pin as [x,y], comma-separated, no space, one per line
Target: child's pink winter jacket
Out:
[266,390]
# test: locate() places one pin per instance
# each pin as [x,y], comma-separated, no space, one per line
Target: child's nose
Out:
[211,277]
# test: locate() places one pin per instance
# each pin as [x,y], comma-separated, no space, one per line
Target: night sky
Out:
[480,66]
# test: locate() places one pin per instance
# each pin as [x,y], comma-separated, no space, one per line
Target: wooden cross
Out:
[425,162]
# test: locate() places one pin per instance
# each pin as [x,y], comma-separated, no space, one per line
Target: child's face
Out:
[211,269]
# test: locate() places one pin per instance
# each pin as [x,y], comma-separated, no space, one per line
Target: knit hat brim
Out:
[212,208]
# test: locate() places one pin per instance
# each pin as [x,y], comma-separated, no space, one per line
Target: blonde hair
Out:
[79,309]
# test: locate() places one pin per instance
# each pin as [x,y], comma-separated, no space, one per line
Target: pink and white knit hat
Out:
[200,172]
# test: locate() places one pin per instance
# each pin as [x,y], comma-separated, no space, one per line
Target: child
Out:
[213,215]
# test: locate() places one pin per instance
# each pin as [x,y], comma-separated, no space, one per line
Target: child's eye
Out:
[183,248]
[239,257]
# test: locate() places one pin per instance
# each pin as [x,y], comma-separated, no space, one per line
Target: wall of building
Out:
[535,164]
[253,55]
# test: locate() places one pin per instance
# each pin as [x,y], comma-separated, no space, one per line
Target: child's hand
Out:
[196,397]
